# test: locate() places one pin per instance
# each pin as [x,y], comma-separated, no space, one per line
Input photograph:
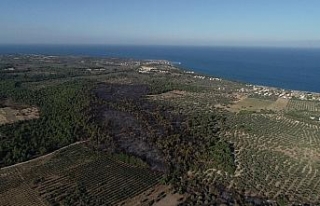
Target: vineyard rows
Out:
[78,173]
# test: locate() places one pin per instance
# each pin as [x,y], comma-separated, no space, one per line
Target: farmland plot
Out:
[74,176]
[252,104]
[304,105]
[277,156]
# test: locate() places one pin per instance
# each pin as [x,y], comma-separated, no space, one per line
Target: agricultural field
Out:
[251,104]
[159,137]
[304,111]
[276,157]
[279,104]
[256,104]
[75,175]
[276,153]
[159,195]
[304,105]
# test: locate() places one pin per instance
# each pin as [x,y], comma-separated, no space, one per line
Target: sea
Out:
[288,68]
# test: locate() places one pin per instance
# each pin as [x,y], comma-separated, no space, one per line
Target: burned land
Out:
[101,131]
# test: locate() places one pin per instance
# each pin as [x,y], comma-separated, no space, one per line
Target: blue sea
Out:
[290,68]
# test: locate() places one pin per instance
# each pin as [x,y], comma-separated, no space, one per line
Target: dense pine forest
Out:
[65,117]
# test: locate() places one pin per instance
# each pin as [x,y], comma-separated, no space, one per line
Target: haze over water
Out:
[290,68]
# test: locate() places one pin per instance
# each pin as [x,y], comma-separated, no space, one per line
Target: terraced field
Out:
[73,176]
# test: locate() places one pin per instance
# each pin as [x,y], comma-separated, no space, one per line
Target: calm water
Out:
[287,68]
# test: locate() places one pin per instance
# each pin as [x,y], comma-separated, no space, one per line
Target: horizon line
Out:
[161,45]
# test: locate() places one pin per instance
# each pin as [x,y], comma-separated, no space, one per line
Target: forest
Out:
[65,117]
[162,124]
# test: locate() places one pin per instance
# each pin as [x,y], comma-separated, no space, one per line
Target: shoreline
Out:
[293,92]
[180,66]
[261,66]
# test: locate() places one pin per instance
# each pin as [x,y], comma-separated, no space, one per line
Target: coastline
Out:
[299,94]
[292,69]
[295,93]
[251,113]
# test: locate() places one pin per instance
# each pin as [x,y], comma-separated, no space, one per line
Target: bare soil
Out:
[279,104]
[9,115]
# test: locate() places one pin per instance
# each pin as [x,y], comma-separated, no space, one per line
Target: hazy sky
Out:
[161,22]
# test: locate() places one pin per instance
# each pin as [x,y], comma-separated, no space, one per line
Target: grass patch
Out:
[251,104]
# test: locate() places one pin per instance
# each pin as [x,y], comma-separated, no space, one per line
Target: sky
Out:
[293,23]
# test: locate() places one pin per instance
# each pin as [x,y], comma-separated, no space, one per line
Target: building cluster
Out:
[285,94]
[101,69]
[214,79]
[203,77]
[148,69]
[158,62]
[199,77]
[315,118]
[9,69]
[126,63]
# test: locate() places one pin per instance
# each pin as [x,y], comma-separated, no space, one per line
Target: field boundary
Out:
[43,156]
